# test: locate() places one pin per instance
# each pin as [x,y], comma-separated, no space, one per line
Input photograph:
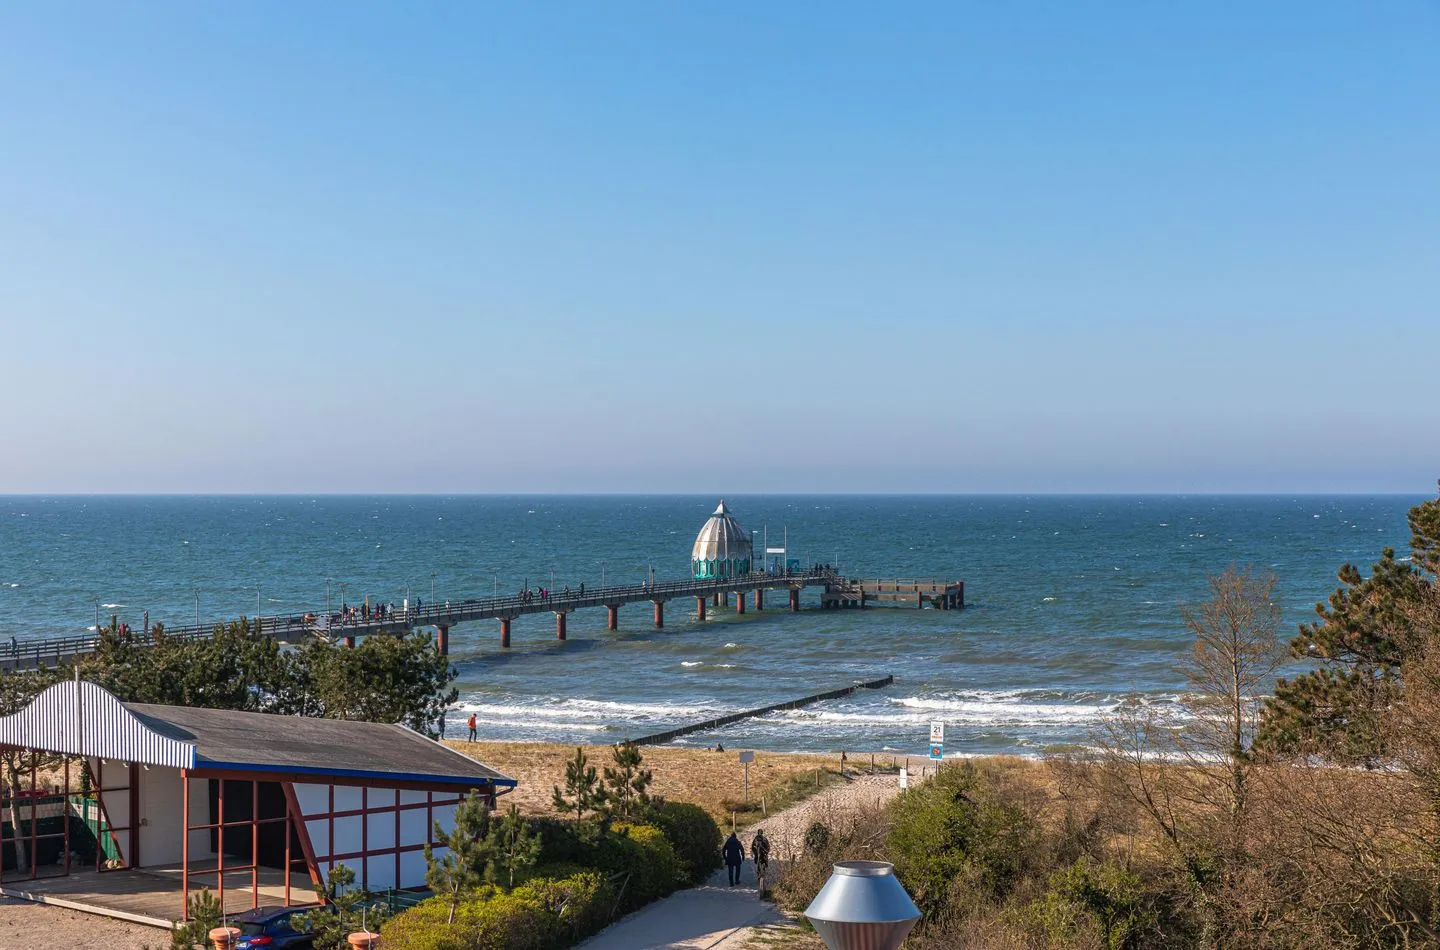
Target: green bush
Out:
[541,915]
[1103,899]
[643,853]
[953,833]
[694,836]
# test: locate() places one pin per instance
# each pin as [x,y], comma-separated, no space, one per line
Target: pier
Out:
[747,590]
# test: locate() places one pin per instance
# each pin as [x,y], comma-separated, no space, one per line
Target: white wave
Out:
[12,585]
[690,663]
[1048,600]
[557,726]
[725,666]
[591,709]
[731,646]
[113,606]
[1006,711]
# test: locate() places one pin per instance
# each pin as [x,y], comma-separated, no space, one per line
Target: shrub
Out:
[952,834]
[817,837]
[539,915]
[643,853]
[1096,899]
[694,836]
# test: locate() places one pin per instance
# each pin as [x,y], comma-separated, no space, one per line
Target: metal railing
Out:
[383,619]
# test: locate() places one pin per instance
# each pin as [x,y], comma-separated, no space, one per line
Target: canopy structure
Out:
[238,802]
[723,548]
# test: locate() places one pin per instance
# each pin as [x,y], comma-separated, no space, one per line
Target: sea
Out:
[1072,602]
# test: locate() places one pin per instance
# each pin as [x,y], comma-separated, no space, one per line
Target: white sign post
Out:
[937,740]
[904,777]
[745,759]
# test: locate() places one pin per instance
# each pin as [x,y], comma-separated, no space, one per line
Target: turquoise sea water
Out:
[1073,601]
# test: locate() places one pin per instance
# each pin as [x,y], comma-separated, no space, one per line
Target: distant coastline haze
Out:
[368,248]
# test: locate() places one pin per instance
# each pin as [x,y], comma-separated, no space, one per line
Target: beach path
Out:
[716,916]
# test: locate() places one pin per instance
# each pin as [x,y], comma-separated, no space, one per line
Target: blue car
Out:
[273,928]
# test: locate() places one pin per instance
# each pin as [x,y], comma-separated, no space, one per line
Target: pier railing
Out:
[382,619]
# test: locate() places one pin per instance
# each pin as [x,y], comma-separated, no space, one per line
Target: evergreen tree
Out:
[1367,632]
[346,909]
[583,791]
[626,783]
[469,859]
[515,847]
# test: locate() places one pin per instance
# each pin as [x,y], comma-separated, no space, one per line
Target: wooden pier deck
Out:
[748,590]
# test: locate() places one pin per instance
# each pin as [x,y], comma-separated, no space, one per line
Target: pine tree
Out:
[469,859]
[583,791]
[1366,634]
[627,783]
[514,845]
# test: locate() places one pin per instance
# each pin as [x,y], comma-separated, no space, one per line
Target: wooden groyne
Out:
[720,721]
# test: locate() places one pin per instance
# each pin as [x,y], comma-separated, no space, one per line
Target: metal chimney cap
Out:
[865,868]
[863,907]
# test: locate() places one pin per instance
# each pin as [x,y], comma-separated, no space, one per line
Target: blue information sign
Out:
[937,751]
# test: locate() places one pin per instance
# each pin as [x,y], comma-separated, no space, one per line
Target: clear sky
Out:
[719,247]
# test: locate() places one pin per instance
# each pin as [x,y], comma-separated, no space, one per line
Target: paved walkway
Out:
[707,917]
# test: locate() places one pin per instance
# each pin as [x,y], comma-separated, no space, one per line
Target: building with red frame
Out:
[127,809]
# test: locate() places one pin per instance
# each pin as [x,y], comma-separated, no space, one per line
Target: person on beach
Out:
[440,724]
[760,854]
[734,858]
[470,723]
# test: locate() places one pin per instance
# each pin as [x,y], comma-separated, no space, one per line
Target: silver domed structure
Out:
[723,548]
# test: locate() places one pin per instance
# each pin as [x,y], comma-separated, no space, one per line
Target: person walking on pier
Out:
[734,858]
[471,724]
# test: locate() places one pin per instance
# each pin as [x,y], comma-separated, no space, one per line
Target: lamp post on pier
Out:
[432,587]
[327,599]
[197,608]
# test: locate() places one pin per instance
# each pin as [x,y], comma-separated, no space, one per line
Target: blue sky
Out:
[719,247]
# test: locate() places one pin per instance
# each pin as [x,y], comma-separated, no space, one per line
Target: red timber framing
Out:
[61,800]
[296,822]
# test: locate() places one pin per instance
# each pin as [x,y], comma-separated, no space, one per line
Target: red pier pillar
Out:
[612,616]
[739,601]
[794,600]
[659,614]
[442,640]
[505,633]
[560,624]
[716,599]
[349,642]
[760,598]
[700,608]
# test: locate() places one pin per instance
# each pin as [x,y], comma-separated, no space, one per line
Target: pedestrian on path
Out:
[471,724]
[734,858]
[441,724]
[760,854]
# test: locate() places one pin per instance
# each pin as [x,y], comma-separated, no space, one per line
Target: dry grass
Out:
[712,780]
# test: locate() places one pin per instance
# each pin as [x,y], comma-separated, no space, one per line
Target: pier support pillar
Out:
[659,614]
[760,599]
[442,640]
[560,624]
[349,642]
[716,599]
[739,601]
[612,616]
[700,608]
[794,601]
[505,633]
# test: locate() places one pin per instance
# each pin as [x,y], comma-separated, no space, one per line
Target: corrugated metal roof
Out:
[81,718]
